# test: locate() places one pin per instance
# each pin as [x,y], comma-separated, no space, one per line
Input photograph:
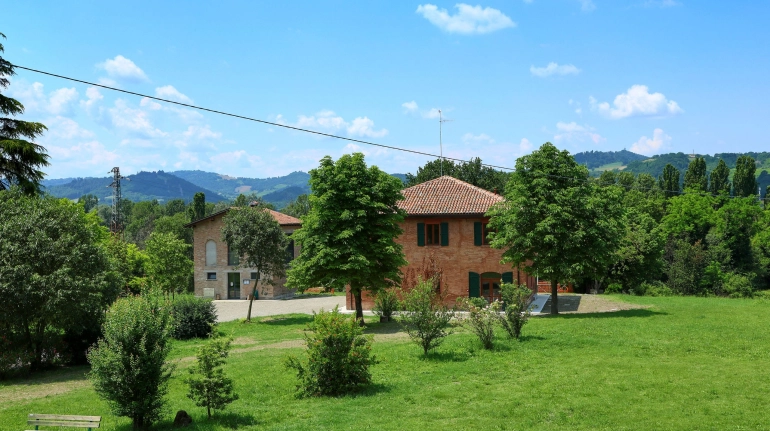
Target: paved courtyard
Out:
[234,309]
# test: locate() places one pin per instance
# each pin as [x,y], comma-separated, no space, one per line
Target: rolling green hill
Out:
[231,187]
[598,159]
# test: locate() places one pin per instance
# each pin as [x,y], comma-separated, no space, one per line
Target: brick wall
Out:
[456,259]
[210,230]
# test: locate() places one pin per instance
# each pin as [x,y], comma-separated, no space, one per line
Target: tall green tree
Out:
[472,172]
[696,177]
[720,180]
[256,236]
[168,264]
[745,180]
[54,276]
[20,159]
[349,235]
[197,208]
[89,202]
[737,221]
[669,181]
[555,221]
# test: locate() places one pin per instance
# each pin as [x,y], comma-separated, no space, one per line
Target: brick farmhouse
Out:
[216,270]
[446,224]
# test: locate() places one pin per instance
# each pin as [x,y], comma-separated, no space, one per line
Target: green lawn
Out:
[683,363]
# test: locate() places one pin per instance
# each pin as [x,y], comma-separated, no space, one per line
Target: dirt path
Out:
[573,303]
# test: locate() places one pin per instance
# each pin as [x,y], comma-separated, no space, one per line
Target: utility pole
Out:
[441,121]
[116,222]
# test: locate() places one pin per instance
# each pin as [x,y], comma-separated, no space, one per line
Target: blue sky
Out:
[649,76]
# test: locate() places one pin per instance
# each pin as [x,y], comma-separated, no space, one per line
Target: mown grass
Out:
[683,363]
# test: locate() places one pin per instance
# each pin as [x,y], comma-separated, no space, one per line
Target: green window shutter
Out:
[444,234]
[474,285]
[421,234]
[508,277]
[477,233]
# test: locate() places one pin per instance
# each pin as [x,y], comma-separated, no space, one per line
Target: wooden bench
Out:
[64,421]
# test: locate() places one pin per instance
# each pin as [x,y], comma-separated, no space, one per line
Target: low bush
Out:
[737,286]
[425,317]
[385,303]
[653,288]
[209,387]
[338,356]
[516,299]
[614,288]
[193,317]
[482,321]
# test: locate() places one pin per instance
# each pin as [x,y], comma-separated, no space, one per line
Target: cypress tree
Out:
[669,181]
[696,178]
[720,179]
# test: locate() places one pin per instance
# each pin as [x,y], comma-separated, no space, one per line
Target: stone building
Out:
[446,226]
[217,271]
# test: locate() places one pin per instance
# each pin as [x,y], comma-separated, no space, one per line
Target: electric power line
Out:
[328,135]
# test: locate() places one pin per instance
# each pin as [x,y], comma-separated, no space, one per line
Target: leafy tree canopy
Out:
[472,172]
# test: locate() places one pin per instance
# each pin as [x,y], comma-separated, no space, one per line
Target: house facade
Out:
[446,226]
[217,271]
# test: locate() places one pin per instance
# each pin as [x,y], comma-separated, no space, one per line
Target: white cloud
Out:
[329,121]
[468,19]
[239,158]
[61,100]
[525,146]
[587,5]
[432,113]
[410,107]
[171,93]
[133,120]
[150,104]
[93,96]
[66,128]
[482,137]
[573,132]
[84,153]
[34,99]
[363,126]
[637,101]
[124,69]
[661,3]
[554,69]
[649,146]
[204,132]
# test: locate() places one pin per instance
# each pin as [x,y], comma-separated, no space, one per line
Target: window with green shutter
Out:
[477,233]
[508,277]
[444,234]
[474,282]
[421,234]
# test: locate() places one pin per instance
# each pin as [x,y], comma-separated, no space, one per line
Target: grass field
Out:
[682,363]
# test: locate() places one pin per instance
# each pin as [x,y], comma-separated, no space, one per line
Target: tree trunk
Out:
[208,410]
[251,301]
[359,307]
[554,297]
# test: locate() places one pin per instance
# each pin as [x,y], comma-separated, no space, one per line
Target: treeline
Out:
[595,159]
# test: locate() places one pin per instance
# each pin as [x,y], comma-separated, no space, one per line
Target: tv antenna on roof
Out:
[441,121]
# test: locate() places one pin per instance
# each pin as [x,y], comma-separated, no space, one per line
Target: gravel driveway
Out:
[234,309]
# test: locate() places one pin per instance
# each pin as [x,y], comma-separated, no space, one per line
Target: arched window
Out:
[211,253]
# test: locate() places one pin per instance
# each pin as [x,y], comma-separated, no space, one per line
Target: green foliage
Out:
[516,298]
[425,317]
[128,366]
[638,257]
[255,235]
[298,207]
[230,187]
[349,235]
[686,268]
[744,179]
[472,172]
[129,262]
[690,215]
[738,286]
[556,223]
[20,159]
[193,317]
[482,321]
[614,288]
[168,266]
[338,357]
[174,224]
[54,276]
[89,202]
[696,178]
[737,221]
[652,288]
[719,181]
[669,181]
[596,159]
[197,208]
[209,387]
[386,302]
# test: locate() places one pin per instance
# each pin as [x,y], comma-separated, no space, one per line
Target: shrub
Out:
[516,299]
[482,321]
[475,301]
[614,288]
[425,317]
[386,303]
[208,385]
[653,288]
[738,286]
[128,366]
[338,356]
[193,317]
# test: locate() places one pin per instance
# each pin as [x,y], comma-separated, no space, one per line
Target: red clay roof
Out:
[281,218]
[447,195]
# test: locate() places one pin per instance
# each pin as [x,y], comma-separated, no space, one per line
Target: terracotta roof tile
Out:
[281,218]
[447,195]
